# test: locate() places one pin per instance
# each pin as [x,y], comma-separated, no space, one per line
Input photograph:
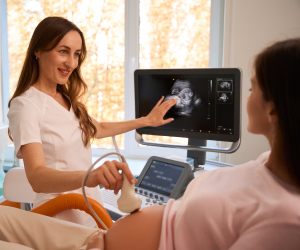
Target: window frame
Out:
[132,149]
[4,63]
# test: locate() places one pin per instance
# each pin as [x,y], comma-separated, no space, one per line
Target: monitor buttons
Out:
[156,196]
[145,193]
[162,198]
[160,203]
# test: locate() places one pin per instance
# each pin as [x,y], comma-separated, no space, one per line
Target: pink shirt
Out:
[37,117]
[241,207]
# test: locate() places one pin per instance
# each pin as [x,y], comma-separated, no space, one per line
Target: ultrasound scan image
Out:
[225,85]
[224,97]
[187,100]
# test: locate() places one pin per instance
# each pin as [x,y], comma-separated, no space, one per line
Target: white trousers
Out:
[24,230]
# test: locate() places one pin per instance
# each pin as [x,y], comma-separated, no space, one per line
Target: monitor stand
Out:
[196,158]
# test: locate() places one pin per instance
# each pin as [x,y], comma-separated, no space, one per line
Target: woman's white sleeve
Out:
[24,123]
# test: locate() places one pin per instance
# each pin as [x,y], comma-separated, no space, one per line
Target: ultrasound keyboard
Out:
[109,197]
[148,199]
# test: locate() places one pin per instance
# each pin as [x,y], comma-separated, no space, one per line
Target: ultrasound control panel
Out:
[161,180]
[149,198]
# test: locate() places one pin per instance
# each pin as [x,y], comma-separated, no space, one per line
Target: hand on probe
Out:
[109,177]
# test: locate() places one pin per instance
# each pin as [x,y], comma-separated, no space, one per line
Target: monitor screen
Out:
[208,102]
[161,177]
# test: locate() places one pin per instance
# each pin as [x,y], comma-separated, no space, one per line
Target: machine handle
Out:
[234,146]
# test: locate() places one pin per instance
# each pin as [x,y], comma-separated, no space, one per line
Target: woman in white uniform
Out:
[50,126]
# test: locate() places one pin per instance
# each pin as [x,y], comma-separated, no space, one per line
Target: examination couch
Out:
[17,190]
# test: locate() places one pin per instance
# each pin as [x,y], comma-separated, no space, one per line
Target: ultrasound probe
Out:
[128,202]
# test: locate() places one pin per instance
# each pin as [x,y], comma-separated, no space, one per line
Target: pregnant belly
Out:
[140,230]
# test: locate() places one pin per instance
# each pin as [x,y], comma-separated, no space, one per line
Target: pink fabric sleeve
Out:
[270,237]
[24,123]
[167,230]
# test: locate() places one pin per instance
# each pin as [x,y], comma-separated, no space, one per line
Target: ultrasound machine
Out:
[207,108]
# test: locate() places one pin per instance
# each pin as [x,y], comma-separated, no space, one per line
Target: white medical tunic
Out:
[37,117]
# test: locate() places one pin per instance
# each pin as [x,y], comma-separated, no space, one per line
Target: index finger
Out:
[169,103]
[125,169]
[167,106]
[160,101]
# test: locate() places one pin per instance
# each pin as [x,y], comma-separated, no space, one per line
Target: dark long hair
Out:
[46,36]
[277,70]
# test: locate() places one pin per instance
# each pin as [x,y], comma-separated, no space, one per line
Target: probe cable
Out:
[122,159]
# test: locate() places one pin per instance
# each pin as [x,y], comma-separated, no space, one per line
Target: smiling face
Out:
[56,65]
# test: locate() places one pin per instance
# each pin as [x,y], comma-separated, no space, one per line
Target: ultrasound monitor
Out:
[207,108]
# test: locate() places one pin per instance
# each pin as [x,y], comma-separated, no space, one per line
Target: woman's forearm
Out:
[44,179]
[48,180]
[154,118]
[107,129]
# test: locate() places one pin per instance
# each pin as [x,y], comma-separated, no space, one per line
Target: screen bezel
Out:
[186,170]
[204,136]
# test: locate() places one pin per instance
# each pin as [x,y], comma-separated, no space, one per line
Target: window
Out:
[121,36]
[166,42]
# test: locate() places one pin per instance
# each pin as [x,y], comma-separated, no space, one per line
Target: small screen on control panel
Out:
[161,177]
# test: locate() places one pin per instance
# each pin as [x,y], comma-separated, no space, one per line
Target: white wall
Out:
[250,26]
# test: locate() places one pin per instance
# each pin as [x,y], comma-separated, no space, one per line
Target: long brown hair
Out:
[277,71]
[46,36]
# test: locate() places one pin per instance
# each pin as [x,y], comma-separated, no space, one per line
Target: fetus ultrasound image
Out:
[200,106]
[224,97]
[191,92]
[225,85]
[187,98]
